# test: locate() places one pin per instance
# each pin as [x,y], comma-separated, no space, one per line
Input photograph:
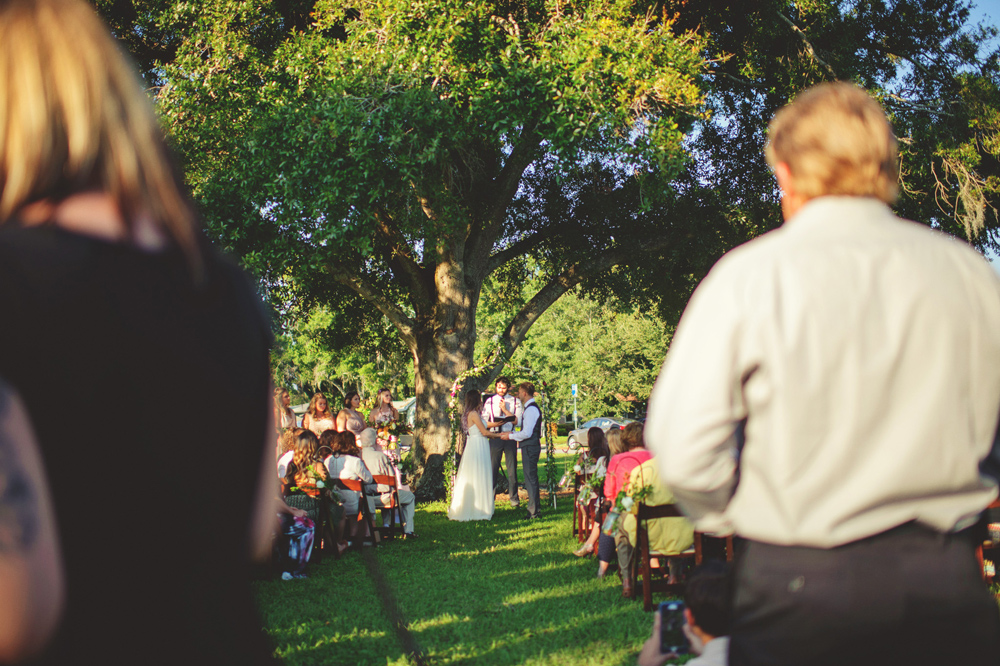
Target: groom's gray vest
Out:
[536,433]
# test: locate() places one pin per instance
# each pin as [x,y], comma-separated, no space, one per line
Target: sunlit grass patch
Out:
[506,592]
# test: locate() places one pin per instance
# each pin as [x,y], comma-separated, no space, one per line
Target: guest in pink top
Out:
[619,470]
[620,466]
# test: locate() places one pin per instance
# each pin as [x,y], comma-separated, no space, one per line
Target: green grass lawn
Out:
[507,591]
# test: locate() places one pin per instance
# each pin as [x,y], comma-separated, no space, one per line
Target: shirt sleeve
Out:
[527,425]
[487,410]
[696,408]
[363,473]
[518,412]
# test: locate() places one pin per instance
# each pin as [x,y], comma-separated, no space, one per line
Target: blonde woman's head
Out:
[74,118]
[615,444]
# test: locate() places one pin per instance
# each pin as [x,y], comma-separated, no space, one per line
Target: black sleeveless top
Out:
[149,396]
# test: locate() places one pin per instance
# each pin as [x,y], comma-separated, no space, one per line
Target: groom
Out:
[530,439]
[497,407]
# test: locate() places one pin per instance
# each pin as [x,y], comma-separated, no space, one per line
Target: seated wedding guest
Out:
[318,416]
[286,449]
[284,417]
[383,412]
[349,418]
[619,470]
[379,463]
[667,536]
[595,459]
[615,445]
[294,543]
[345,463]
[707,620]
[307,475]
[594,463]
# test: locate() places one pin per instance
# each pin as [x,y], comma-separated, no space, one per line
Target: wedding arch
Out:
[496,360]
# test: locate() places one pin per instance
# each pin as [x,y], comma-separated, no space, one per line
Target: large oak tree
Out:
[386,157]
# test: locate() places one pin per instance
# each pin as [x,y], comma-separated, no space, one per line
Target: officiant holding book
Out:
[501,413]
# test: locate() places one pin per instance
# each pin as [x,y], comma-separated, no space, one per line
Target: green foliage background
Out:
[381,161]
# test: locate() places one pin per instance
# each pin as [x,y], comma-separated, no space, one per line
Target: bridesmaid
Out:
[318,417]
[382,416]
[383,413]
[349,418]
[284,417]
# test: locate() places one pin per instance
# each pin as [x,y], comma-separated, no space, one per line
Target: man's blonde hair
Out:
[74,118]
[836,140]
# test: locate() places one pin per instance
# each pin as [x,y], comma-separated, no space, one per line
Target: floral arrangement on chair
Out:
[625,502]
[592,488]
[317,483]
[388,437]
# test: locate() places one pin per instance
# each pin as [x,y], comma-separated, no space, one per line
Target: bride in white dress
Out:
[472,497]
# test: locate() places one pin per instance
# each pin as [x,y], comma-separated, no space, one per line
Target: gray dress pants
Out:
[529,460]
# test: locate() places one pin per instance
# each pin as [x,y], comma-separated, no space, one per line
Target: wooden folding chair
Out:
[364,512]
[391,511]
[642,565]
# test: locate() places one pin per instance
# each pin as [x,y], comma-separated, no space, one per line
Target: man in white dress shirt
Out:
[497,409]
[529,440]
[379,464]
[831,393]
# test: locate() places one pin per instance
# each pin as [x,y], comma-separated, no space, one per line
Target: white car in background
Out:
[577,439]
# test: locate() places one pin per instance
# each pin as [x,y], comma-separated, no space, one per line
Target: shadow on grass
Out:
[333,617]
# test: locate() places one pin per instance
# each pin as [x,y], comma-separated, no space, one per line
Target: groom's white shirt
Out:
[527,422]
[491,410]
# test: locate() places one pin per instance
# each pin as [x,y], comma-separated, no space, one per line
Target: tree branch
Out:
[735,79]
[486,228]
[506,183]
[514,335]
[809,47]
[919,107]
[522,246]
[370,293]
[916,63]
[399,257]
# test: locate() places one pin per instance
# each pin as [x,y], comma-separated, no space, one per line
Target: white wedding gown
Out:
[472,497]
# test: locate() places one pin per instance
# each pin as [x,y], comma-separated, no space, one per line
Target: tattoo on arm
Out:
[18,499]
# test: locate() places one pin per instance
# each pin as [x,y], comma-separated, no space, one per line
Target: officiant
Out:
[501,413]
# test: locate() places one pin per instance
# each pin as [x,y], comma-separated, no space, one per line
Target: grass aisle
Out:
[503,592]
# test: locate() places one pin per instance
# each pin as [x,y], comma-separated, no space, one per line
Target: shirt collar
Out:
[842,211]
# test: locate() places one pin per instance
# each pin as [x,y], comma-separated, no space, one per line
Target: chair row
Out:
[391,524]
[654,578]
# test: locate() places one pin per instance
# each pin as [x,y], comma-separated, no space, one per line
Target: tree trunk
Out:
[442,351]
